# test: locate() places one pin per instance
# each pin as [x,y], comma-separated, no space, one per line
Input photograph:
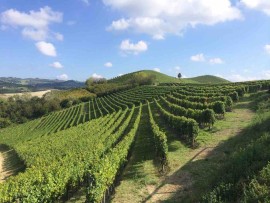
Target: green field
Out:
[175,142]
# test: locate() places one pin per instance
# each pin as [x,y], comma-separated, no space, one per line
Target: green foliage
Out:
[142,78]
[19,109]
[219,107]
[258,189]
[103,173]
[160,138]
[187,127]
[4,122]
[234,96]
[74,94]
[205,116]
[208,116]
[248,179]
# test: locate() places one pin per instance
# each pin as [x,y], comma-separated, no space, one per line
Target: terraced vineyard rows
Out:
[88,144]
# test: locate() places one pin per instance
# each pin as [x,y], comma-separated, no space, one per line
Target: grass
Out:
[191,170]
[160,78]
[141,170]
[209,79]
[163,78]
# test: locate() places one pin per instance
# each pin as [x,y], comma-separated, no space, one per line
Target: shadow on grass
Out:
[11,164]
[172,134]
[143,149]
[204,170]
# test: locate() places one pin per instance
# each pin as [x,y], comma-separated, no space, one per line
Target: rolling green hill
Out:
[163,78]
[209,79]
[160,77]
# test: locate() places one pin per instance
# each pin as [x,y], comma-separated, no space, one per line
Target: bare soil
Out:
[10,164]
[32,94]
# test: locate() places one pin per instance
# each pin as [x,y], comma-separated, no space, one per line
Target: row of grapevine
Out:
[160,138]
[60,162]
[186,127]
[102,175]
[203,117]
[204,99]
[218,106]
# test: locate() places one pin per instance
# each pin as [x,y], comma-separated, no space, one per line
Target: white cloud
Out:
[35,24]
[108,64]
[128,47]
[120,74]
[86,2]
[56,65]
[197,58]
[97,76]
[34,34]
[216,61]
[46,48]
[157,69]
[160,17]
[241,78]
[62,77]
[261,5]
[267,48]
[121,24]
[59,36]
[247,76]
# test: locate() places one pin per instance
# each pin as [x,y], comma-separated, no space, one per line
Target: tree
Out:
[179,75]
[142,78]
[4,122]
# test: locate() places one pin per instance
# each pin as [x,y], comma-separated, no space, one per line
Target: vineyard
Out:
[89,144]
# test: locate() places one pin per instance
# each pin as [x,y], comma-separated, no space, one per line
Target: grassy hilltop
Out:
[163,78]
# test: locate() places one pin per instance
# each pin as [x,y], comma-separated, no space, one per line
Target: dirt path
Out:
[186,180]
[10,163]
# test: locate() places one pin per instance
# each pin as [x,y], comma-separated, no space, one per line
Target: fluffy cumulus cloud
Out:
[216,61]
[108,64]
[97,76]
[46,48]
[56,65]
[267,48]
[198,58]
[62,77]
[201,58]
[135,48]
[157,69]
[158,18]
[35,24]
[261,5]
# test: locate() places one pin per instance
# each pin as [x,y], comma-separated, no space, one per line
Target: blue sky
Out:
[82,38]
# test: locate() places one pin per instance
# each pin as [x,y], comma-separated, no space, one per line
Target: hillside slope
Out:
[160,77]
[163,78]
[209,79]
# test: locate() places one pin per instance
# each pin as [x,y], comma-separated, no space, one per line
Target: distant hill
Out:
[160,77]
[163,78]
[15,85]
[209,79]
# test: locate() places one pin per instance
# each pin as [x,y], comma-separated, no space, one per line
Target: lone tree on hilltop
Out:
[179,75]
